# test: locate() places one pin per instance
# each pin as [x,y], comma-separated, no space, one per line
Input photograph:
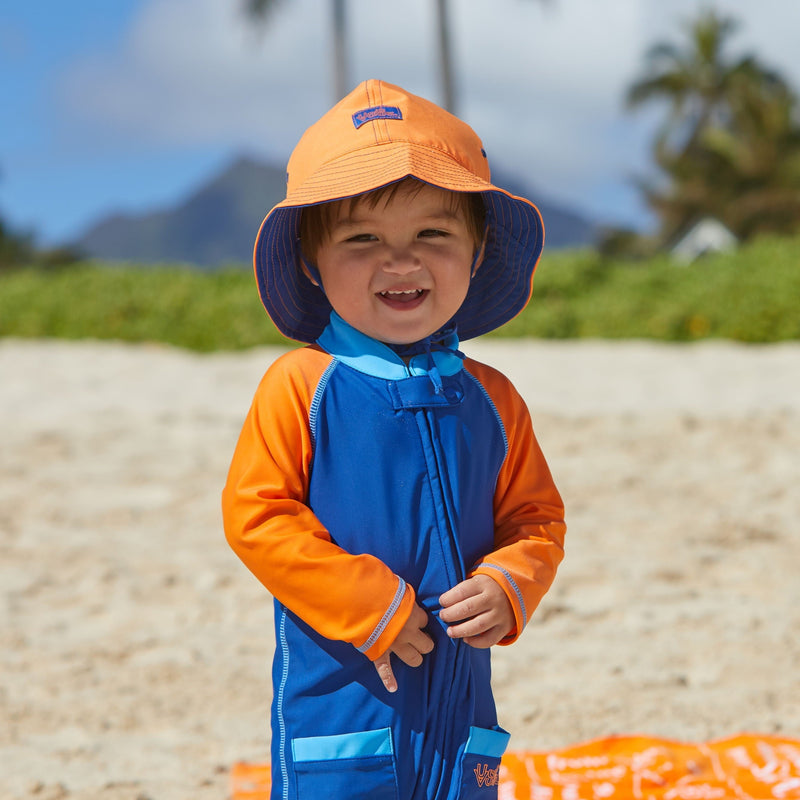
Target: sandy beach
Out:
[136,648]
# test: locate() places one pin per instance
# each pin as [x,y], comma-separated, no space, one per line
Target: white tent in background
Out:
[707,235]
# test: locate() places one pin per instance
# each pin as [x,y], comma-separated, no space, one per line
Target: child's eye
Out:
[362,237]
[432,233]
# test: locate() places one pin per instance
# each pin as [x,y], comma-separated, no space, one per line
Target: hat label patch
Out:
[376,112]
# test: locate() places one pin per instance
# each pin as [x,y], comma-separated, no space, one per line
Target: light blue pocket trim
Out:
[345,745]
[485,742]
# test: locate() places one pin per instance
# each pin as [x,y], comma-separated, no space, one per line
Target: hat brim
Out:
[499,290]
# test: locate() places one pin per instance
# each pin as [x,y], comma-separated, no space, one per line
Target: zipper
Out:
[454,570]
[454,562]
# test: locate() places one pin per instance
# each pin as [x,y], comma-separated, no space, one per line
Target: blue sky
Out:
[129,105]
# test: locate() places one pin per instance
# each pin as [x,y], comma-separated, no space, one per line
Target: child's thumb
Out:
[384,667]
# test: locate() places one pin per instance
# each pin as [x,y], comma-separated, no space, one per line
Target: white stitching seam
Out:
[279,704]
[317,399]
[381,626]
[494,409]
[514,586]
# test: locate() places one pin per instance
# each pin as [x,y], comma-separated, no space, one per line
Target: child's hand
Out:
[481,609]
[410,645]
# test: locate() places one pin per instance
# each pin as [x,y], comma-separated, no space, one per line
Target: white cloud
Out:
[543,84]
[195,72]
[192,68]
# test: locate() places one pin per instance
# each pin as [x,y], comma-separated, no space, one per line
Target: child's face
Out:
[398,272]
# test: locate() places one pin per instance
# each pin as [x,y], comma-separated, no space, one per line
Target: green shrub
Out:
[198,310]
[749,296]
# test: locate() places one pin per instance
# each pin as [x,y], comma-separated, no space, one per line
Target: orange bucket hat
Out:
[377,135]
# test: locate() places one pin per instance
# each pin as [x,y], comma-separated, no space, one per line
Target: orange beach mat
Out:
[745,767]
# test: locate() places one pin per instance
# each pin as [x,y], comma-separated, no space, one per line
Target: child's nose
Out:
[402,261]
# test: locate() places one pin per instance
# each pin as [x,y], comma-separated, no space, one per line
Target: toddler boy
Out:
[388,491]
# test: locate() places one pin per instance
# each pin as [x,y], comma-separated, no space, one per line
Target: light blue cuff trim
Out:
[485,742]
[345,745]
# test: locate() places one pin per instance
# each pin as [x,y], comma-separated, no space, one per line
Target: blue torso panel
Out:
[405,473]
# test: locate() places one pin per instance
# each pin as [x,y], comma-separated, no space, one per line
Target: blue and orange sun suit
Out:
[361,484]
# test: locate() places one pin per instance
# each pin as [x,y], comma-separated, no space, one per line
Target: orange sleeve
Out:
[528,510]
[352,598]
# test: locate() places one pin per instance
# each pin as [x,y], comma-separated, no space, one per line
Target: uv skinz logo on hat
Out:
[377,135]
[376,112]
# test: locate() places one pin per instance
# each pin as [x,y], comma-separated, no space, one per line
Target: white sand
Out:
[135,647]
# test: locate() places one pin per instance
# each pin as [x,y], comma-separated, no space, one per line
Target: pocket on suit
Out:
[480,765]
[351,765]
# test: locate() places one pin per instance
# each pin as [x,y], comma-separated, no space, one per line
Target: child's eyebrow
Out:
[347,222]
[438,215]
[441,215]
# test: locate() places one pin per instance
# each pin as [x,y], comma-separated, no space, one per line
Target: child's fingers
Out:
[418,618]
[421,642]
[384,667]
[465,600]
[477,633]
[411,650]
[461,592]
[466,609]
[408,654]
[414,636]
[410,646]
[475,626]
[475,608]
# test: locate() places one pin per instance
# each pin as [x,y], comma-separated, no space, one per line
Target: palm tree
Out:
[696,79]
[445,56]
[759,153]
[260,10]
[446,71]
[728,128]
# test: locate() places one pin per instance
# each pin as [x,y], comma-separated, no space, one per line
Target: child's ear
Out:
[309,271]
[478,259]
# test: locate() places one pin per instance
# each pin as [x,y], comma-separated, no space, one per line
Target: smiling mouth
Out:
[403,298]
[404,293]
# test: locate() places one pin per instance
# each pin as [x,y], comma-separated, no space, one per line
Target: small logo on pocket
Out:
[486,776]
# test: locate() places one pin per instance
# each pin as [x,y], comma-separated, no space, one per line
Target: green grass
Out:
[751,296]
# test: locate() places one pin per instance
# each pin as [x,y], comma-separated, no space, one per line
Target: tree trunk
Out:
[445,56]
[340,68]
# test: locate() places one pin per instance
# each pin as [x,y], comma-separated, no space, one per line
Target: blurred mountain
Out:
[217,224]
[563,226]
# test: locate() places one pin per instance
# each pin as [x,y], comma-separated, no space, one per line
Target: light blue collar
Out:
[368,355]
